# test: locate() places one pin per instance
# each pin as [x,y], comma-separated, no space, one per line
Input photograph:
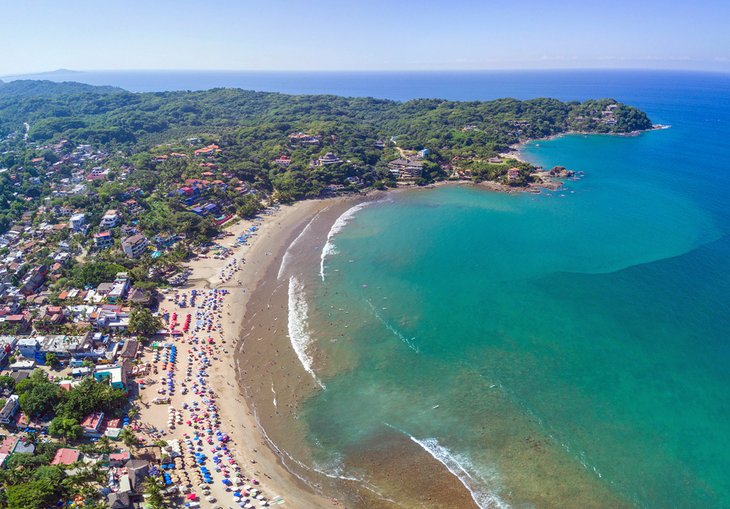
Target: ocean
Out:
[562,350]
[567,349]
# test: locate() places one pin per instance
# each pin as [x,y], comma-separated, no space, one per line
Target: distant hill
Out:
[38,75]
[50,89]
[93,114]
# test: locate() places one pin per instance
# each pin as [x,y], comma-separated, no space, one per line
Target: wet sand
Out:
[261,384]
[274,382]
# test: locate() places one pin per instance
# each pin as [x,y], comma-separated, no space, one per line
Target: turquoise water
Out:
[572,342]
[576,338]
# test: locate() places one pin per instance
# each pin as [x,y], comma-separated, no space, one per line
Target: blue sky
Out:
[42,35]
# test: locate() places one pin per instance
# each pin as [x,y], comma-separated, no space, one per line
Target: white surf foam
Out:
[329,248]
[459,467]
[298,327]
[287,254]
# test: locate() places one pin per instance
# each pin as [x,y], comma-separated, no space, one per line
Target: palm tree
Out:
[153,493]
[104,444]
[128,438]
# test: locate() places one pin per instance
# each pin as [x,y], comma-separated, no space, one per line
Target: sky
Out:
[44,35]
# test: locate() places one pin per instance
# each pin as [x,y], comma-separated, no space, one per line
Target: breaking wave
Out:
[458,466]
[287,254]
[329,248]
[298,327]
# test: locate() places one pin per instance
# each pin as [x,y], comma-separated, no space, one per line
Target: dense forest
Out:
[133,132]
[86,113]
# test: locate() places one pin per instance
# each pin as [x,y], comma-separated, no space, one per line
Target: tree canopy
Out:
[142,321]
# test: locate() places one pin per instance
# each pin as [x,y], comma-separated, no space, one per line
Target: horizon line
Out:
[384,71]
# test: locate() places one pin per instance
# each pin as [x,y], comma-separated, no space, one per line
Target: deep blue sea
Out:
[570,349]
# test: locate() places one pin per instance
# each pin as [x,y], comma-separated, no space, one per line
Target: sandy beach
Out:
[237,419]
[258,380]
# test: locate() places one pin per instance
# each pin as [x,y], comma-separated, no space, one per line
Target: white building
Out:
[7,345]
[110,220]
[77,222]
[134,246]
[9,410]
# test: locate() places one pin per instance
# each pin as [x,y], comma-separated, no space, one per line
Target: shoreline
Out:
[261,379]
[257,344]
[237,417]
[273,239]
[238,379]
[515,151]
[274,380]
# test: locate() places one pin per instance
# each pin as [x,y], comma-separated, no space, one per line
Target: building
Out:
[118,459]
[208,208]
[97,174]
[92,424]
[119,500]
[8,445]
[326,160]
[28,347]
[303,139]
[134,246]
[114,374]
[120,287]
[103,240]
[207,151]
[77,222]
[21,369]
[62,346]
[129,350]
[513,174]
[110,220]
[283,161]
[7,414]
[7,345]
[137,296]
[23,447]
[406,169]
[33,280]
[66,457]
[112,317]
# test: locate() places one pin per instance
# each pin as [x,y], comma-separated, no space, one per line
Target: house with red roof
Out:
[66,456]
[103,240]
[8,445]
[92,424]
[118,459]
[97,174]
[283,160]
[207,151]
